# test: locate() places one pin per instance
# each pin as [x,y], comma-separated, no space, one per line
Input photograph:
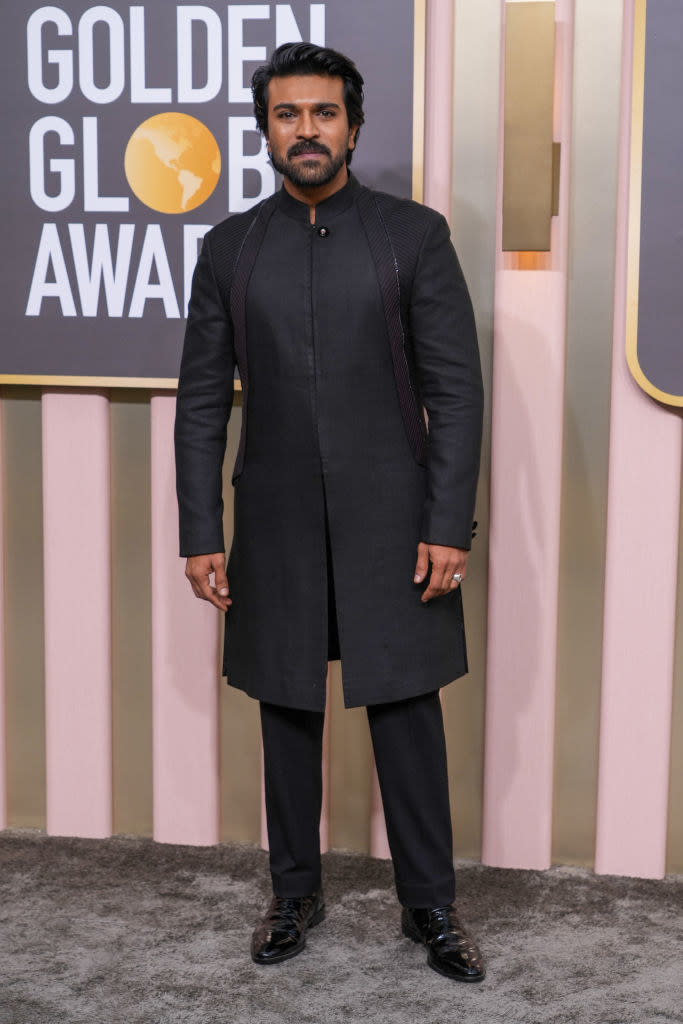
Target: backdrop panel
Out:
[132,132]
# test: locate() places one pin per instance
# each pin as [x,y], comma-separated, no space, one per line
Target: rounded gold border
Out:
[634,213]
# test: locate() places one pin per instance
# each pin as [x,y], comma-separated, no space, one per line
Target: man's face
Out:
[308,130]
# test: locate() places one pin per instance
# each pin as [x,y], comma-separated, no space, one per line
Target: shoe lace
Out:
[286,911]
[447,930]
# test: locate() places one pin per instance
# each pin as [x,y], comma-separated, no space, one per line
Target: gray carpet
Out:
[127,930]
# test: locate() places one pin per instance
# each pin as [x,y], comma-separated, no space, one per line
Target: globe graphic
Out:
[172,162]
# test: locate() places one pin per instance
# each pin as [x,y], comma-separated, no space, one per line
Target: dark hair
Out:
[309,59]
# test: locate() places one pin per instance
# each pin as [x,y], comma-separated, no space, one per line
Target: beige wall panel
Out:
[590,301]
[350,769]
[25,700]
[240,744]
[131,612]
[674,850]
[240,766]
[473,220]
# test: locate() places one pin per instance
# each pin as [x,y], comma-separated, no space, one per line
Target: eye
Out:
[327,113]
[283,114]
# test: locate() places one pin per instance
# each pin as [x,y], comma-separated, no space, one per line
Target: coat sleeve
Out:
[203,407]
[449,377]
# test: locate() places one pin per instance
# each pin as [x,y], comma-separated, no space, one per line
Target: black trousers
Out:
[410,753]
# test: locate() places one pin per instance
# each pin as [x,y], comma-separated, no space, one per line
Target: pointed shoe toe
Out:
[282,932]
[450,950]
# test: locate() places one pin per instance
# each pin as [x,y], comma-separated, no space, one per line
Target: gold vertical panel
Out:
[419,57]
[596,96]
[24,633]
[674,847]
[131,611]
[528,142]
[240,759]
[475,168]
[350,770]
[240,744]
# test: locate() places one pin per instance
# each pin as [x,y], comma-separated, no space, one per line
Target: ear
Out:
[352,137]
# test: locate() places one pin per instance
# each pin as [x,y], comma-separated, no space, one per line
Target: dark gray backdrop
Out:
[377,34]
[660,295]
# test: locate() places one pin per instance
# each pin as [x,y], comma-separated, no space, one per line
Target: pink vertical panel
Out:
[640,586]
[185,676]
[325,810]
[3,726]
[379,842]
[438,182]
[528,375]
[76,532]
[526,472]
[264,819]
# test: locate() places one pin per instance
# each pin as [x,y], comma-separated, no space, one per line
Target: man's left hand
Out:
[446,562]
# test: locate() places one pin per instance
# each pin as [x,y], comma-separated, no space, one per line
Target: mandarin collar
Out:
[335,204]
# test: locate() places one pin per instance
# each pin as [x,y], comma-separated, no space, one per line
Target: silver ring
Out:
[457,576]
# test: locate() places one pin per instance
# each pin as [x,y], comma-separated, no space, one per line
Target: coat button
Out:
[323,232]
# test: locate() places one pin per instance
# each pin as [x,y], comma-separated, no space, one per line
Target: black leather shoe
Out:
[282,932]
[451,951]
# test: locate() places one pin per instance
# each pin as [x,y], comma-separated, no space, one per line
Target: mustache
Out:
[301,148]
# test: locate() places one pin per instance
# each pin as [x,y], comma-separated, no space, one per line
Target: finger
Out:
[202,589]
[422,564]
[221,580]
[222,588]
[434,589]
[445,576]
[215,599]
[218,595]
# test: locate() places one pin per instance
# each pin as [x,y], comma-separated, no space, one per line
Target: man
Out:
[345,311]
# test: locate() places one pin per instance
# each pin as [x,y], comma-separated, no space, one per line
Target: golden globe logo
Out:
[172,163]
[90,73]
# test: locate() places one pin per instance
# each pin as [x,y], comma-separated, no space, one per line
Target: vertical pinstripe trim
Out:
[244,266]
[386,264]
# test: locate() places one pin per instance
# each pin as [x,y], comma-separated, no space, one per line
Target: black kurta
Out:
[325,433]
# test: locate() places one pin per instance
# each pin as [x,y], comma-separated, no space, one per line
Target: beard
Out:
[308,173]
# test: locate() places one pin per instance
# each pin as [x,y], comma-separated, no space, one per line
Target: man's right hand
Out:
[199,570]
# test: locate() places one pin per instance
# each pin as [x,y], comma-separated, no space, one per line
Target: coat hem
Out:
[385,695]
[389,695]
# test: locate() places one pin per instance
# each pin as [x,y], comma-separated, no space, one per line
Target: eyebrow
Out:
[319,104]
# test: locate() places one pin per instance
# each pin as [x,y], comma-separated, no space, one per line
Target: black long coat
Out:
[341,331]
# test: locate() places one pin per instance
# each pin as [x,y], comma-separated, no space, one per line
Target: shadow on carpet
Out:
[129,931]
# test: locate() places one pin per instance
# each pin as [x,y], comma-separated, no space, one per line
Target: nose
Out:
[307,126]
